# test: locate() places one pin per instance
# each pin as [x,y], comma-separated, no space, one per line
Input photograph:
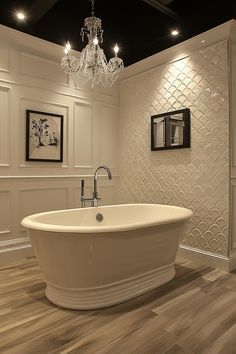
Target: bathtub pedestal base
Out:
[109,294]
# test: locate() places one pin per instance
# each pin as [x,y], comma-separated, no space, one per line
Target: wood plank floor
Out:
[194,313]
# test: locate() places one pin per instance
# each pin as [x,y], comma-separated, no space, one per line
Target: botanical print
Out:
[44,136]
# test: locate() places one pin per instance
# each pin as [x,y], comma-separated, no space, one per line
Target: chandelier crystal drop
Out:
[92,64]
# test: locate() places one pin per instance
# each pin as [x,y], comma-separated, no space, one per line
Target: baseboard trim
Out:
[15,253]
[232,261]
[11,254]
[206,258]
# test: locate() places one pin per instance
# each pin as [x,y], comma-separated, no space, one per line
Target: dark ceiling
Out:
[140,27]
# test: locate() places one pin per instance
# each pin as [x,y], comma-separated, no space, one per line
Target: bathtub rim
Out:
[33,224]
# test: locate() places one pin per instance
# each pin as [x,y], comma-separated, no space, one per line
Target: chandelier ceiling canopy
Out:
[92,64]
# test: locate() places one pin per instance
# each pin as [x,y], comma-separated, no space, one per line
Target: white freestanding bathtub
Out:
[89,264]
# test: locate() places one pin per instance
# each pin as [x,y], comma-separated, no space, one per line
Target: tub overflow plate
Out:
[99,217]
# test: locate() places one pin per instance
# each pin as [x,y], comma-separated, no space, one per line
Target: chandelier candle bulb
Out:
[116,49]
[95,41]
[68,46]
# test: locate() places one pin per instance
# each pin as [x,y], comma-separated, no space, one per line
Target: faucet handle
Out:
[96,196]
[82,188]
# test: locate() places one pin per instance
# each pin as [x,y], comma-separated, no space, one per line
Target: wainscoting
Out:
[31,78]
[22,196]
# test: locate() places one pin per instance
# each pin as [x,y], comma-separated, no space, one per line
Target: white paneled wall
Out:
[107,135]
[85,132]
[5,207]
[4,60]
[31,78]
[46,69]
[5,128]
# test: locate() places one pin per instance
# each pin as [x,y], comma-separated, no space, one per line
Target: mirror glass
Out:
[170,130]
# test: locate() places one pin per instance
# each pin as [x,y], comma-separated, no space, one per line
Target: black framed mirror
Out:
[170,130]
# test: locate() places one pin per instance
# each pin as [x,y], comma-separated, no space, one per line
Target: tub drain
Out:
[99,217]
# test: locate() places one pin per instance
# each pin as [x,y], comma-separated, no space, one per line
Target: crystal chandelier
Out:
[92,64]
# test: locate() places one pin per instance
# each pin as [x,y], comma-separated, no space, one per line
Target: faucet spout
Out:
[103,168]
[95,191]
[94,199]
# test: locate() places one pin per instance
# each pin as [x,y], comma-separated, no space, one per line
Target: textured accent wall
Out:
[196,178]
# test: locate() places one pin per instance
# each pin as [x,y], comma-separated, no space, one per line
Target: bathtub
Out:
[98,257]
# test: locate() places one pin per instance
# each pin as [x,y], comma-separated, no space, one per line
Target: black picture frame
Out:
[44,136]
[167,119]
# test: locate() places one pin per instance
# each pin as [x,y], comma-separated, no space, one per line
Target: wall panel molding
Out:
[4,60]
[14,251]
[54,176]
[8,244]
[106,192]
[5,88]
[107,136]
[84,96]
[46,69]
[5,214]
[5,137]
[83,136]
[5,232]
[233,213]
[35,200]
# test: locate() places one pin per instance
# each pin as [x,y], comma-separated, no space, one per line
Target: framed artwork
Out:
[171,130]
[44,136]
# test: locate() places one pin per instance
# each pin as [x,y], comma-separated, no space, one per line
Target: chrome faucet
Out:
[95,178]
[94,200]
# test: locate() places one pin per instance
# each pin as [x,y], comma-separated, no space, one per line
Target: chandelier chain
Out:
[93,8]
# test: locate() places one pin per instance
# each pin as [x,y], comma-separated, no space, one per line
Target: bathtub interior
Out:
[124,216]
